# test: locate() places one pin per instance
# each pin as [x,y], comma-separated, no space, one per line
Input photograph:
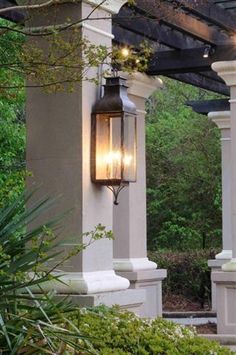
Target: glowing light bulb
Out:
[125,52]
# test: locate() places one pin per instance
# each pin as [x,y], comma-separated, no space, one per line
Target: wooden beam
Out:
[209,11]
[181,21]
[149,28]
[202,82]
[206,106]
[188,60]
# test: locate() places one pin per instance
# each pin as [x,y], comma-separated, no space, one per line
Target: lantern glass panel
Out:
[129,148]
[108,147]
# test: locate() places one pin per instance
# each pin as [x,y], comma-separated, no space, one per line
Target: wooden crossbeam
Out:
[149,28]
[181,21]
[209,11]
[205,106]
[202,82]
[189,60]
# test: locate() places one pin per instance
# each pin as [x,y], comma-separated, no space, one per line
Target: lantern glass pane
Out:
[129,148]
[108,147]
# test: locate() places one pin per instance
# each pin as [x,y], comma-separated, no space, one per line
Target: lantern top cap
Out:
[115,80]
[115,98]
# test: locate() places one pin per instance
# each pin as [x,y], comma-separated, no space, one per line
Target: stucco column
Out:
[227,70]
[58,155]
[129,217]
[222,120]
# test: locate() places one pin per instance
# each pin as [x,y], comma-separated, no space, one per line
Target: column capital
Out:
[220,118]
[111,6]
[142,85]
[226,70]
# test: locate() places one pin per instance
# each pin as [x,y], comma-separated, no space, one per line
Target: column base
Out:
[130,300]
[133,264]
[230,265]
[87,283]
[225,254]
[215,265]
[151,281]
[225,301]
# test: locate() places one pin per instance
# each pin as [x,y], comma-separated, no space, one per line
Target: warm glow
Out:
[127,160]
[125,52]
[113,157]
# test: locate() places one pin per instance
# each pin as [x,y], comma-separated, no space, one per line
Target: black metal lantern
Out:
[113,159]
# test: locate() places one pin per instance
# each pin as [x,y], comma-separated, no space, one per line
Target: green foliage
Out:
[183,172]
[122,333]
[188,273]
[12,126]
[34,323]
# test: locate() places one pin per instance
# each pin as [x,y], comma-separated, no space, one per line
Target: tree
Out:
[183,171]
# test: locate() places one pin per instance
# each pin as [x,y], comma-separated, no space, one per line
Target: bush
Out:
[122,333]
[188,273]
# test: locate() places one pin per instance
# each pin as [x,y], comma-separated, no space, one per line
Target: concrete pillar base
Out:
[230,265]
[151,281]
[88,283]
[215,265]
[133,264]
[131,300]
[225,254]
[225,301]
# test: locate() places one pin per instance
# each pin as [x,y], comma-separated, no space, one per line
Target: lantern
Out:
[113,155]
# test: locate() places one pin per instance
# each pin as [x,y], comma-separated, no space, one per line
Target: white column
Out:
[129,217]
[222,120]
[227,70]
[58,155]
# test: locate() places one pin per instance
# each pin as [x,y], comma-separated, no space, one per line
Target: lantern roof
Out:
[115,98]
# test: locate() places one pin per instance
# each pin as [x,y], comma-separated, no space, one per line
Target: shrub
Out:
[33,323]
[122,333]
[188,273]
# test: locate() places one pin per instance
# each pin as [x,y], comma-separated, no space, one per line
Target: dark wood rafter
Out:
[181,21]
[183,26]
[150,29]
[206,10]
[206,106]
[202,82]
[188,60]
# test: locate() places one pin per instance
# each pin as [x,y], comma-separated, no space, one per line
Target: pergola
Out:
[179,31]
[187,37]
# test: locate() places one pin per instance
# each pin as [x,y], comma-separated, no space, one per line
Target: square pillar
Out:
[129,217]
[222,120]
[225,280]
[58,155]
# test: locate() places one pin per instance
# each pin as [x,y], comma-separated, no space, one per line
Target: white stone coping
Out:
[143,276]
[220,118]
[133,264]
[217,263]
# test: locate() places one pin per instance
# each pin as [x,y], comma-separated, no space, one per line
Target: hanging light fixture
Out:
[113,156]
